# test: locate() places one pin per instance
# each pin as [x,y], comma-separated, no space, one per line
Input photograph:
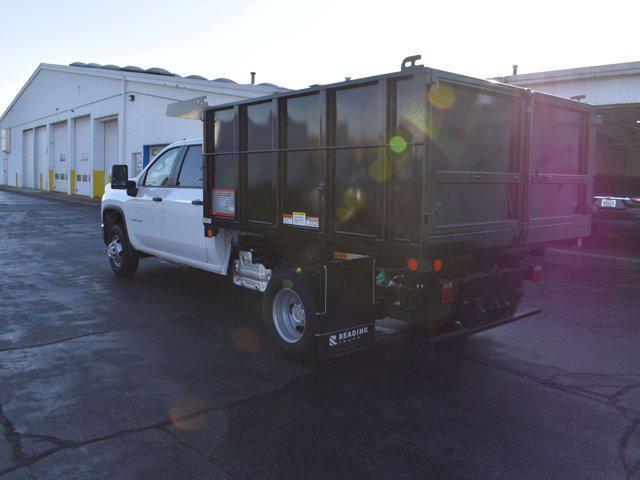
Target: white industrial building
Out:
[615,90]
[69,124]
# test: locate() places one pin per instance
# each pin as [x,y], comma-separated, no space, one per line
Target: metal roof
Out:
[151,75]
[611,70]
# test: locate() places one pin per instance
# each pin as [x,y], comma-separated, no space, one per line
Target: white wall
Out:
[599,90]
[146,120]
[54,95]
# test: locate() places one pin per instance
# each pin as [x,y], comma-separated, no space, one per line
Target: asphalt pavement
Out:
[169,375]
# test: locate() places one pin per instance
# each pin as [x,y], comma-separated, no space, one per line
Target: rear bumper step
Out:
[465,332]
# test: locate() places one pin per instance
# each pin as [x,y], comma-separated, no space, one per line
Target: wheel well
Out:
[111,216]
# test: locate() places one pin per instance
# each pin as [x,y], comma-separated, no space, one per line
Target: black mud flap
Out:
[346,301]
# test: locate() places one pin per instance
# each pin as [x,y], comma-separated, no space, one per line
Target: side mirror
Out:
[119,177]
[132,189]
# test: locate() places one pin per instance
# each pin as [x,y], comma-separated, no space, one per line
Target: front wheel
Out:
[290,315]
[121,257]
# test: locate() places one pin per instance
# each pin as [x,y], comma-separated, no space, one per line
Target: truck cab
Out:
[160,214]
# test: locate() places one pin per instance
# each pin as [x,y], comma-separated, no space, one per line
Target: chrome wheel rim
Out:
[288,315]
[114,250]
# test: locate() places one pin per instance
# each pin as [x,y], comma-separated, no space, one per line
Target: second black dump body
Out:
[419,163]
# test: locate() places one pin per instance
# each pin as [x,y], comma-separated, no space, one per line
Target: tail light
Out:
[437,265]
[535,273]
[635,199]
[447,293]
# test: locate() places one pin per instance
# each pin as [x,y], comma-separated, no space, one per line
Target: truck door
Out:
[560,166]
[146,209]
[183,230]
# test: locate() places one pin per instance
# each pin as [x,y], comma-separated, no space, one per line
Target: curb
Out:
[52,195]
[578,258]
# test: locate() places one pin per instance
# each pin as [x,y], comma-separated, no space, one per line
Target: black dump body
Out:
[417,163]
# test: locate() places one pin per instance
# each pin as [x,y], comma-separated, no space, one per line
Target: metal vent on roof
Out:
[223,80]
[158,71]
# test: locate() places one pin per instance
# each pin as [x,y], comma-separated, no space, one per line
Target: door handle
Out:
[197,202]
[157,199]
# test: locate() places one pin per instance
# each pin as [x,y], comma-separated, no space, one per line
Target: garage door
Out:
[41,160]
[60,156]
[108,156]
[82,145]
[27,159]
[110,147]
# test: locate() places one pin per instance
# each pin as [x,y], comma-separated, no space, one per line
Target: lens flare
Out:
[343,213]
[397,144]
[379,171]
[354,198]
[247,339]
[184,413]
[442,97]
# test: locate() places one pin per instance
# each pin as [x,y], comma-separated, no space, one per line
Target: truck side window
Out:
[191,170]
[159,173]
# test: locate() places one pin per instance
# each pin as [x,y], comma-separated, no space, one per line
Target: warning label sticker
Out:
[224,202]
[300,219]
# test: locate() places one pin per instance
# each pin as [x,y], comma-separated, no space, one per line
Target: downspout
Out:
[123,126]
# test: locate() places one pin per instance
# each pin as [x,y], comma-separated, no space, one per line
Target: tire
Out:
[290,315]
[123,261]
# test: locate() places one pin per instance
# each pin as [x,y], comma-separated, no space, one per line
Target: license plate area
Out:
[608,202]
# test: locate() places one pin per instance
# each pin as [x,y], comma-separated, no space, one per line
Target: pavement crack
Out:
[631,465]
[196,450]
[13,437]
[31,473]
[60,444]
[92,334]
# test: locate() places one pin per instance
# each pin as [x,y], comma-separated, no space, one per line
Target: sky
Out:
[298,43]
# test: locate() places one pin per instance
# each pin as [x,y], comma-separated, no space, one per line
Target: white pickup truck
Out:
[164,218]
